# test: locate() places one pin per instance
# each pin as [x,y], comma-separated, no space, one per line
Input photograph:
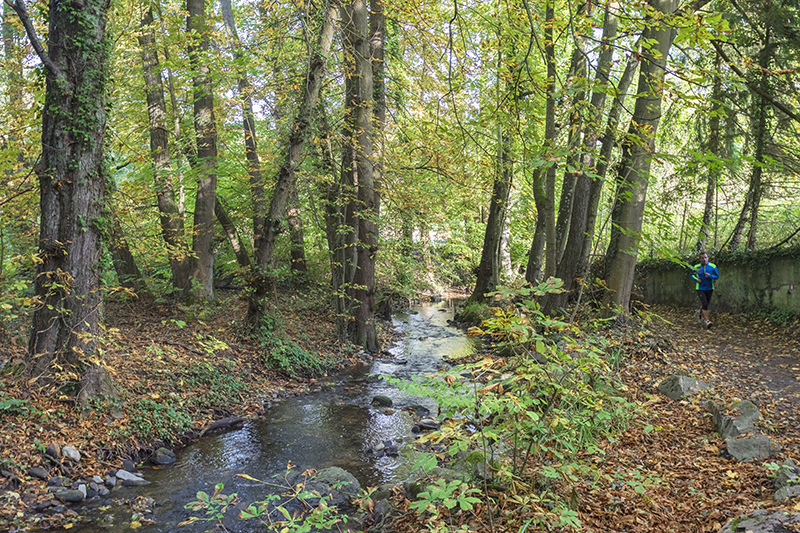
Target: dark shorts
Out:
[705,298]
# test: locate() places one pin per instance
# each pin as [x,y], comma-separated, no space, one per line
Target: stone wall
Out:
[748,281]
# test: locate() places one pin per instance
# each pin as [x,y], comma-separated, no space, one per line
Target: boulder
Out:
[788,475]
[130,479]
[163,456]
[38,472]
[732,426]
[71,453]
[677,387]
[761,521]
[748,449]
[337,485]
[787,493]
[53,450]
[71,495]
[382,401]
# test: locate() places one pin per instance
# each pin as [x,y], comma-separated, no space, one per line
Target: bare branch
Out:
[22,12]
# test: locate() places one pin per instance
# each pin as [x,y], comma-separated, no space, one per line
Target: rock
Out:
[326,482]
[162,456]
[71,453]
[129,479]
[677,387]
[382,401]
[787,493]
[98,480]
[53,450]
[56,481]
[788,475]
[45,505]
[762,521]
[751,448]
[71,495]
[128,465]
[38,472]
[111,481]
[428,424]
[729,426]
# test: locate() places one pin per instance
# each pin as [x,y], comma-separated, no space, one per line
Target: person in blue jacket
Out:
[704,274]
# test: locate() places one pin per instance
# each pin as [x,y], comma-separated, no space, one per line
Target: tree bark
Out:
[239,250]
[72,180]
[713,170]
[264,279]
[637,156]
[294,218]
[170,216]
[205,127]
[125,266]
[365,334]
[489,266]
[548,145]
[249,127]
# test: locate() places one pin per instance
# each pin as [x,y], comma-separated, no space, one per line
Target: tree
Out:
[205,126]
[72,178]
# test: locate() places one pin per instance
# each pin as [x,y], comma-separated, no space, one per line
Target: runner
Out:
[704,274]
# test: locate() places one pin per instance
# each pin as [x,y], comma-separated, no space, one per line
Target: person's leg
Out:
[705,297]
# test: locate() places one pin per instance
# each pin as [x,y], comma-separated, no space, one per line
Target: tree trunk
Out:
[714,148]
[365,333]
[249,127]
[205,127]
[638,152]
[170,216]
[565,206]
[493,237]
[264,279]
[548,145]
[125,266]
[570,262]
[239,250]
[297,239]
[72,181]
[606,148]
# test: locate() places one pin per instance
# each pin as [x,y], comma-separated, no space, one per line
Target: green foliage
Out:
[151,419]
[274,511]
[284,355]
[475,313]
[551,403]
[212,386]
[451,494]
[16,407]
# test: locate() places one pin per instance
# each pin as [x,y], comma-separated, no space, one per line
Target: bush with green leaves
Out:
[549,403]
[280,353]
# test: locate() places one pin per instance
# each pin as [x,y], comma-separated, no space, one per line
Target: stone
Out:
[38,472]
[71,495]
[71,453]
[163,456]
[751,448]
[788,475]
[761,521]
[382,401]
[129,479]
[677,387]
[128,465]
[53,450]
[428,424]
[56,481]
[787,493]
[730,426]
[337,485]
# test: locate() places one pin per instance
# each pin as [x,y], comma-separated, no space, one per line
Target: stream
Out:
[337,426]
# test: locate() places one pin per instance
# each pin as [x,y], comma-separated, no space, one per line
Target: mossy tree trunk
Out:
[72,174]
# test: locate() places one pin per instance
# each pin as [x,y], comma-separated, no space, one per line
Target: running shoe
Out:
[699,316]
[709,324]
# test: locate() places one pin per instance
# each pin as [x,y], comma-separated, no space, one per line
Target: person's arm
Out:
[695,275]
[714,273]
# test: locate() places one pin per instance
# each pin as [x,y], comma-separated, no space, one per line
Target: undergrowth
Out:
[533,417]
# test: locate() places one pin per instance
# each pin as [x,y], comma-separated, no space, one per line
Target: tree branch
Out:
[22,12]
[753,86]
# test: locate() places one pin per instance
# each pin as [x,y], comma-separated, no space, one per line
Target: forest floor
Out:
[667,472]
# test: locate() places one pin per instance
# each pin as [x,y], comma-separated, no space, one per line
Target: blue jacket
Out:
[699,275]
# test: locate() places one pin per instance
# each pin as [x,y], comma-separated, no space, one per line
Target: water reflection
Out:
[337,427]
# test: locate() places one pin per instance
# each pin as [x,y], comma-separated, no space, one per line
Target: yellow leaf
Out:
[155,396]
[731,474]
[796,506]
[68,526]
[136,525]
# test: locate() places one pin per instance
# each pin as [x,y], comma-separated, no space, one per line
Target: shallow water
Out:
[335,427]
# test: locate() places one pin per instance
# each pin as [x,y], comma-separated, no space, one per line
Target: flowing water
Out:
[337,426]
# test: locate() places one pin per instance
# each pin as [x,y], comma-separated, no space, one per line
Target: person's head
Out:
[703,258]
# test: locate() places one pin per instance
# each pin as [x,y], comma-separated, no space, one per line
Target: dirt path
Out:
[755,359]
